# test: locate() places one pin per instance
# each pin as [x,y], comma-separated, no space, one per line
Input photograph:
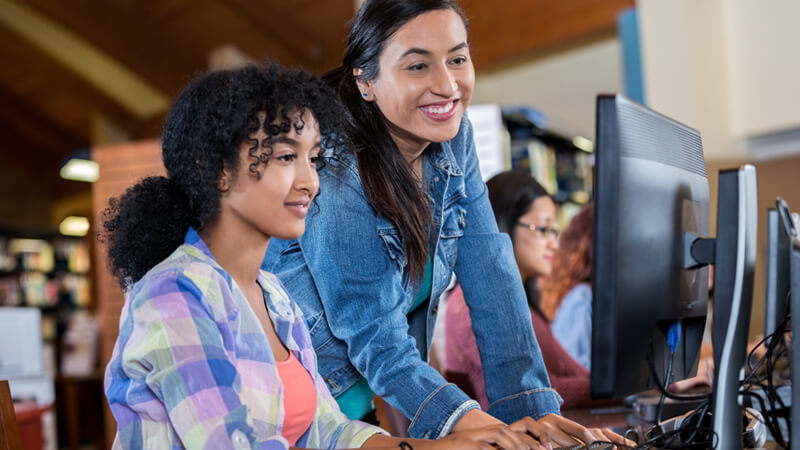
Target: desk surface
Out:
[599,417]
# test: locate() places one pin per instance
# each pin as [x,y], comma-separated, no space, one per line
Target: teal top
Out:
[356,401]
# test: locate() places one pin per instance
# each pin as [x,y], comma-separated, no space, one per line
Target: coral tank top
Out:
[299,398]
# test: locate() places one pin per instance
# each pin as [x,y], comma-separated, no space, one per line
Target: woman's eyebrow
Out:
[422,51]
[283,139]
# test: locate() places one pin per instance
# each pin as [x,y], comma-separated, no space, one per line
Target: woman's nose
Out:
[444,82]
[307,178]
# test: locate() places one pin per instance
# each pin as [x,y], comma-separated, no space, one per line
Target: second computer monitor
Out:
[651,192]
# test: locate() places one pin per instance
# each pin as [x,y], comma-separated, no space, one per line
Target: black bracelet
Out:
[405,446]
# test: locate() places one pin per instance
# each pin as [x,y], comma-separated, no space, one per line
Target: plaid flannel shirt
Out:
[192,366]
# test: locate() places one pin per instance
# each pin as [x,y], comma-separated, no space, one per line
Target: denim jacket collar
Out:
[445,160]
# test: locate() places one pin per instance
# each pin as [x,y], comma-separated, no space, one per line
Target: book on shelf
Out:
[491,139]
[44,272]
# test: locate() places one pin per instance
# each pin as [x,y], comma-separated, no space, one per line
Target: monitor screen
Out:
[650,189]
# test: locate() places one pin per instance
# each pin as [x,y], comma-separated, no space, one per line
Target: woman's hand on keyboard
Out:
[500,436]
[477,425]
[560,431]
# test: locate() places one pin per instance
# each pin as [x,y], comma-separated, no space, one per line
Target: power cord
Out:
[694,430]
[673,339]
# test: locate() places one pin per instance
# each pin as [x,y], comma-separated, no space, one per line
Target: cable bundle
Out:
[762,374]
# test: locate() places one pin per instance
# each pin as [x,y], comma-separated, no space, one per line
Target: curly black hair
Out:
[204,131]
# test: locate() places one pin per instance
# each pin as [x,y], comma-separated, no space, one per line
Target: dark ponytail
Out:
[144,226]
[388,180]
[210,126]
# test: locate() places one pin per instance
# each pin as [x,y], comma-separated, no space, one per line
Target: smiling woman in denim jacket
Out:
[396,216]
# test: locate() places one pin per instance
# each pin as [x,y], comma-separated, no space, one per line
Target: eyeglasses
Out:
[547,232]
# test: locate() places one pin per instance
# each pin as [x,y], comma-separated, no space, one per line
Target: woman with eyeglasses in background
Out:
[525,211]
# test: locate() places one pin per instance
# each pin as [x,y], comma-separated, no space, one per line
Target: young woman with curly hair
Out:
[212,352]
[399,213]
[567,292]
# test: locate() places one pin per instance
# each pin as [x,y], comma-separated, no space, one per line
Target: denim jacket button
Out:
[434,309]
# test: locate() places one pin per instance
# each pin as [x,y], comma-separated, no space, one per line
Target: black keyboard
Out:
[590,446]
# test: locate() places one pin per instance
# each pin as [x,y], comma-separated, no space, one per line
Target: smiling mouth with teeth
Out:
[439,109]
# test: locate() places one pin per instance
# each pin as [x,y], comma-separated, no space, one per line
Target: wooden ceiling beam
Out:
[54,91]
[130,34]
[509,30]
[166,43]
[83,59]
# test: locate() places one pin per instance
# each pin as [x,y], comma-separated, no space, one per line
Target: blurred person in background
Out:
[567,291]
[525,211]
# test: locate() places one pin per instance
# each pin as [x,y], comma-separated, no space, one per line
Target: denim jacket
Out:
[348,272]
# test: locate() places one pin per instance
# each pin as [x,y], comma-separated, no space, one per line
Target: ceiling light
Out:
[80,170]
[74,226]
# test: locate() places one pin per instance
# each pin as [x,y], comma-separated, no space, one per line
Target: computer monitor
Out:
[734,266]
[650,190]
[783,271]
[650,251]
[776,300]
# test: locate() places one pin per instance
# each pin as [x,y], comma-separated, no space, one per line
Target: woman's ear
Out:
[225,181]
[365,87]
